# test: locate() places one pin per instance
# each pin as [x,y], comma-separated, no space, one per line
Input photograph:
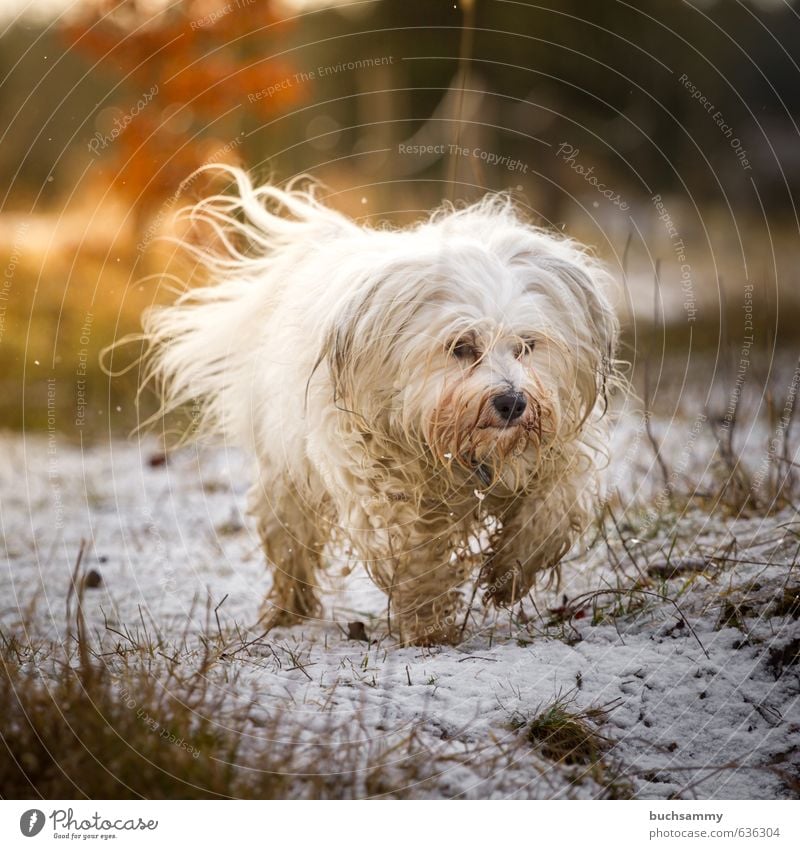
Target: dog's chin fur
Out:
[361,366]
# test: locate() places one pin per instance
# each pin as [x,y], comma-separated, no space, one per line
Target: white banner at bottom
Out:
[388,824]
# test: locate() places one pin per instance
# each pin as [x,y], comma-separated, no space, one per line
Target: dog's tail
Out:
[201,349]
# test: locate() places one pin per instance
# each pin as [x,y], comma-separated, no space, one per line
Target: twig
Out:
[227,655]
[648,417]
[465,53]
[216,614]
[625,543]
[594,593]
[73,584]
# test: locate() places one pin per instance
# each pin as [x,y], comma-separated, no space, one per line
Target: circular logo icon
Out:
[31,822]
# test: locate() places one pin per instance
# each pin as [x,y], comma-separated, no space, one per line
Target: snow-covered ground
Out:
[700,691]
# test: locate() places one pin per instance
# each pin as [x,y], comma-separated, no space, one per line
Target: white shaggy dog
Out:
[407,393]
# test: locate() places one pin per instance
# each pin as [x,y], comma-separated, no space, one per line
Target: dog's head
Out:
[475,340]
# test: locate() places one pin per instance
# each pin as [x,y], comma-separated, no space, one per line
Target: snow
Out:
[696,706]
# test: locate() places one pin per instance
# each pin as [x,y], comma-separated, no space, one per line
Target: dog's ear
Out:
[587,284]
[580,286]
[340,352]
[365,344]
[356,345]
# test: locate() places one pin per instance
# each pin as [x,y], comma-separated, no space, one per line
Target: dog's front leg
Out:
[424,597]
[536,532]
[292,534]
[412,561]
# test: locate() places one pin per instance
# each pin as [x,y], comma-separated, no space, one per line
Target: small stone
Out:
[357,631]
[92,579]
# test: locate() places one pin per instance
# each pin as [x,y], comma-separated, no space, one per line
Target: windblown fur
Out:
[403,391]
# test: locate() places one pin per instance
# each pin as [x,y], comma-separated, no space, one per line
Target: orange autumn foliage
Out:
[191,77]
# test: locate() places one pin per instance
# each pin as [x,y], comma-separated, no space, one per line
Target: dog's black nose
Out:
[510,405]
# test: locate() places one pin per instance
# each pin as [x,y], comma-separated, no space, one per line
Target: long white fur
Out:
[334,352]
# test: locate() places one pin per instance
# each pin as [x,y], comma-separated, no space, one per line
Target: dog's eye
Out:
[524,348]
[464,349]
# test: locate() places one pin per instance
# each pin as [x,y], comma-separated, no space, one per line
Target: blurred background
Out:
[664,133]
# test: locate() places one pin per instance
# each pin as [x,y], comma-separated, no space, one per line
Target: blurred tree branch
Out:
[193,76]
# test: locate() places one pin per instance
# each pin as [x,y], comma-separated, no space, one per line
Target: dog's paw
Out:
[502,583]
[290,603]
[434,634]
[272,616]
